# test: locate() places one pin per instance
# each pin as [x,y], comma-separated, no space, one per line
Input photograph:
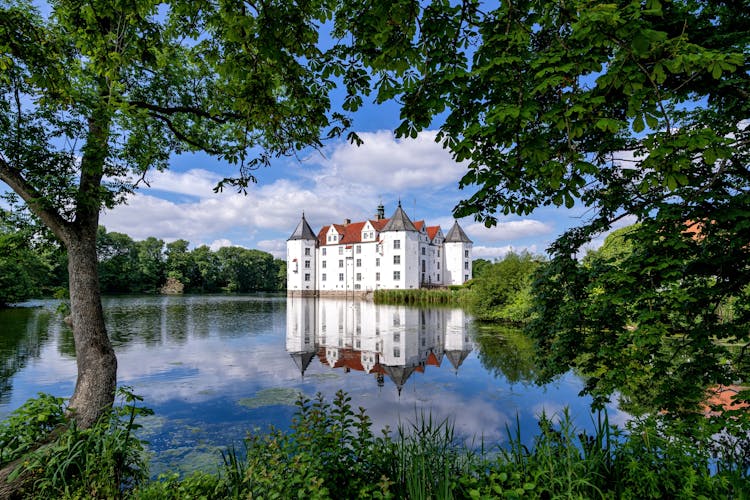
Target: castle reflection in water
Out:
[382,340]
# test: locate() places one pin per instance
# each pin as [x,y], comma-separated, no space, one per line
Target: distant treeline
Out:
[33,267]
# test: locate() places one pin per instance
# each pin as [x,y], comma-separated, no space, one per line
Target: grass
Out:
[454,296]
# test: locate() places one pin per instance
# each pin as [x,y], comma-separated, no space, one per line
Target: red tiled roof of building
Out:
[722,396]
[379,224]
[352,233]
[322,235]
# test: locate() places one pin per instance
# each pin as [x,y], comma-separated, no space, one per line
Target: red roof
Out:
[350,233]
[723,396]
[379,224]
[353,233]
[432,359]
[322,235]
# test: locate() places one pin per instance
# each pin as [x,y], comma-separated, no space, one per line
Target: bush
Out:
[103,461]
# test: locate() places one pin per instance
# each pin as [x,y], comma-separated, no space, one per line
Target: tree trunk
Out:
[97,365]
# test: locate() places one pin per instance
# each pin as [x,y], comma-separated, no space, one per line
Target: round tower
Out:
[458,268]
[300,261]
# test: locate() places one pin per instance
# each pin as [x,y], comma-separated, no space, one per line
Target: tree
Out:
[151,264]
[98,93]
[502,292]
[179,263]
[628,108]
[479,266]
[118,262]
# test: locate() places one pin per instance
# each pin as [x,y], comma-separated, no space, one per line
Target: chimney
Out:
[347,222]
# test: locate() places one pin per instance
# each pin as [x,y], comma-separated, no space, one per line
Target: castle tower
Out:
[300,261]
[301,330]
[399,249]
[457,249]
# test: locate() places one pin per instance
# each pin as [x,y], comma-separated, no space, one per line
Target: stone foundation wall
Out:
[339,294]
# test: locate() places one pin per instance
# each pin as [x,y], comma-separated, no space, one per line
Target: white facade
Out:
[389,342]
[376,254]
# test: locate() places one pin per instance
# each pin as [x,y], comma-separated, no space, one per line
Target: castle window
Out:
[323,264]
[307,276]
[397,259]
[466,277]
[341,263]
[307,252]
[341,276]
[359,262]
[324,251]
[341,250]
[359,276]
[466,265]
[396,275]
[396,244]
[438,277]
[377,276]
[307,264]
[396,352]
[466,254]
[323,278]
[359,249]
[423,250]
[438,265]
[438,252]
[377,262]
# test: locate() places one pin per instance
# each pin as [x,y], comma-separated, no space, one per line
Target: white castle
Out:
[380,253]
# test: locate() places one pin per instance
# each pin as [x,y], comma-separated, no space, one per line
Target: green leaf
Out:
[638,125]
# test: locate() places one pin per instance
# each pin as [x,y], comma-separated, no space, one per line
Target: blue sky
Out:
[342,181]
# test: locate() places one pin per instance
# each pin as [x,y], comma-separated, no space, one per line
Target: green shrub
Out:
[29,425]
[331,452]
[103,461]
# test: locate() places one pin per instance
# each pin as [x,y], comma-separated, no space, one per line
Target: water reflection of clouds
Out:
[204,351]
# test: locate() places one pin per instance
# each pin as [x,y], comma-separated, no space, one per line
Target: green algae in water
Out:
[274,396]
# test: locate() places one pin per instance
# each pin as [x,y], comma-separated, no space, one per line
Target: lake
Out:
[214,367]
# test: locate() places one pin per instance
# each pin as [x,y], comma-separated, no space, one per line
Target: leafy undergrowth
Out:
[331,451]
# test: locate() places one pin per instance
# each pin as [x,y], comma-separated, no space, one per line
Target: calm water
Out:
[214,367]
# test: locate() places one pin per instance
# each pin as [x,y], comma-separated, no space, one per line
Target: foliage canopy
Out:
[627,109]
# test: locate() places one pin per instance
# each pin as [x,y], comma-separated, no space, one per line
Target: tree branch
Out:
[183,137]
[33,198]
[191,110]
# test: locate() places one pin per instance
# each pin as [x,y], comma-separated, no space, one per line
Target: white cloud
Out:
[277,248]
[220,243]
[508,231]
[349,184]
[384,163]
[492,253]
[196,182]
